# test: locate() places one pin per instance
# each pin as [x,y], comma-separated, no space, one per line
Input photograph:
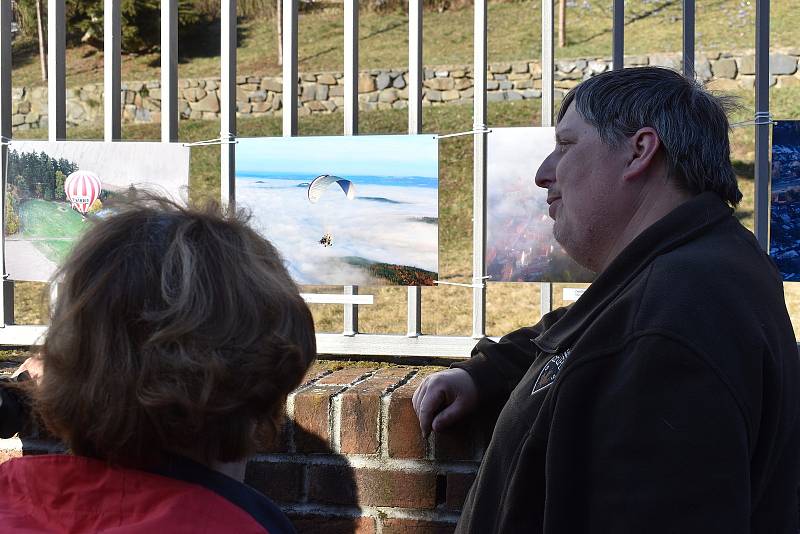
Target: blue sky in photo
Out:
[363,155]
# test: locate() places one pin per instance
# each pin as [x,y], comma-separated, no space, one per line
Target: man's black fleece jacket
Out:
[664,400]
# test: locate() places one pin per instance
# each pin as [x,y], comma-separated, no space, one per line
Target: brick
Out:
[361,407]
[458,485]
[343,485]
[405,438]
[415,526]
[343,377]
[332,525]
[279,442]
[280,481]
[311,409]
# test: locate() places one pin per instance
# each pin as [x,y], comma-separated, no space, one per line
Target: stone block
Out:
[449,96]
[458,73]
[441,74]
[194,94]
[500,77]
[523,84]
[257,96]
[399,82]
[308,77]
[433,95]
[366,83]
[468,93]
[495,97]
[517,77]
[23,107]
[505,86]
[566,66]
[724,68]
[244,107]
[636,61]
[400,104]
[788,81]
[261,107]
[316,106]
[513,95]
[519,67]
[782,64]
[17,119]
[330,106]
[155,94]
[18,93]
[184,109]
[531,93]
[336,90]
[326,79]
[500,68]
[702,69]
[271,84]
[440,84]
[573,75]
[322,92]
[747,65]
[597,66]
[382,81]
[492,85]
[308,92]
[389,96]
[209,104]
[384,106]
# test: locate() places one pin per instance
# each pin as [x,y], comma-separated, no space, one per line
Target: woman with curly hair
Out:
[175,340]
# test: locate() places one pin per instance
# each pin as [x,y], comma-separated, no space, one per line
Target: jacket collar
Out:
[682,224]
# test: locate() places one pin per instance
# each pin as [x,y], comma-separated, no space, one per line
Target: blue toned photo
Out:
[359,210]
[784,228]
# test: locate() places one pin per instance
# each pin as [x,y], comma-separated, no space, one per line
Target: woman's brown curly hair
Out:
[175,331]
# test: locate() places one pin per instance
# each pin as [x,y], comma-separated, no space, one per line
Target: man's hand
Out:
[33,366]
[444,398]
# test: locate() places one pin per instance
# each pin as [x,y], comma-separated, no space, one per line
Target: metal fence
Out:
[350,341]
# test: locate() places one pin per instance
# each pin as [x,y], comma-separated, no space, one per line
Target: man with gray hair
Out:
[666,399]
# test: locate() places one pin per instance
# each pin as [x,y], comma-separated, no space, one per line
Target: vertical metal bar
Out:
[289,68]
[227,94]
[6,288]
[350,315]
[618,48]
[688,38]
[762,128]
[479,176]
[351,67]
[169,70]
[414,318]
[548,68]
[112,59]
[56,71]
[350,123]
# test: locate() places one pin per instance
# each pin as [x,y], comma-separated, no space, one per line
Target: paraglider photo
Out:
[56,189]
[785,212]
[519,245]
[360,210]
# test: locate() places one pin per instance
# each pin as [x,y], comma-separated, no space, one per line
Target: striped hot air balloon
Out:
[82,189]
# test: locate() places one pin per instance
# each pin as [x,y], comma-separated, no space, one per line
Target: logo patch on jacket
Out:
[550,371]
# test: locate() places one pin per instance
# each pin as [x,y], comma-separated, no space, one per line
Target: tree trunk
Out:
[279,20]
[42,54]
[562,23]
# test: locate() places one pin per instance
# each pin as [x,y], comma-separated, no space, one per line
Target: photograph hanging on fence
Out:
[55,190]
[785,213]
[356,210]
[519,244]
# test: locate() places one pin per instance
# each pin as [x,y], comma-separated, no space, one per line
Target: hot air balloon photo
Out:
[345,210]
[56,189]
[82,189]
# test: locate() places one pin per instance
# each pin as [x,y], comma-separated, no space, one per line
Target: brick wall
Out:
[350,457]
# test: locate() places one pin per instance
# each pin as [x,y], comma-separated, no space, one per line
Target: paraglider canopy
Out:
[82,189]
[320,184]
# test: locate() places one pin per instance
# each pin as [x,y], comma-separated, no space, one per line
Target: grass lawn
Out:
[513,33]
[42,219]
[446,309]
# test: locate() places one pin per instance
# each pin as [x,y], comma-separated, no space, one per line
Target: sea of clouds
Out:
[383,223]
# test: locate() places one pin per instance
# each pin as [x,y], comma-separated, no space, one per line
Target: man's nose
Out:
[545,176]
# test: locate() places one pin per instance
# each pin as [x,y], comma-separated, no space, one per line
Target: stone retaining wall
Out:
[383,89]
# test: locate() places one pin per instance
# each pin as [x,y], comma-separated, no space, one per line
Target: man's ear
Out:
[644,146]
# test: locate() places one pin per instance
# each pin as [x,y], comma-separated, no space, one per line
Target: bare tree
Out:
[42,54]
